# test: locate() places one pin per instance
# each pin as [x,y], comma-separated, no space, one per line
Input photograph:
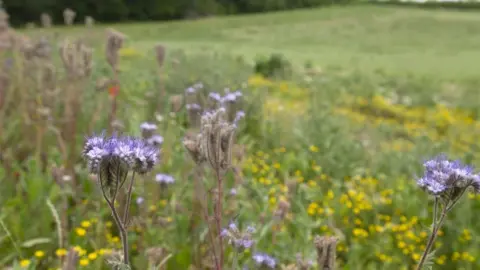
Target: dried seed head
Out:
[4,25]
[176,102]
[326,251]
[282,209]
[160,53]
[71,260]
[89,21]
[76,58]
[194,149]
[217,140]
[46,20]
[103,83]
[69,16]
[114,43]
[155,255]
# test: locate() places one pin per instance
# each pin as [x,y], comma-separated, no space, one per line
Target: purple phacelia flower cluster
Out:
[236,238]
[164,179]
[148,134]
[148,127]
[229,97]
[132,154]
[194,88]
[443,177]
[155,140]
[264,260]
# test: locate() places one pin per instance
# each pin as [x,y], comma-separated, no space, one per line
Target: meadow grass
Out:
[333,150]
[368,38]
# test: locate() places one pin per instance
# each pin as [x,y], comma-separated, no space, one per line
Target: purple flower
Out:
[155,140]
[140,200]
[238,116]
[145,156]
[232,226]
[148,126]
[191,90]
[442,176]
[233,191]
[262,259]
[215,96]
[224,232]
[230,97]
[243,243]
[164,178]
[127,152]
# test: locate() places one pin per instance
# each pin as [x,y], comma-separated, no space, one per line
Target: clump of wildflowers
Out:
[264,261]
[446,181]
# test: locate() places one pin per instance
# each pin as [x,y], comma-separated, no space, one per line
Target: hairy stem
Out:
[433,236]
[129,199]
[218,214]
[118,221]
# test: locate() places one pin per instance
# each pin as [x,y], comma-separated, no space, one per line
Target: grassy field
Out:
[332,150]
[367,38]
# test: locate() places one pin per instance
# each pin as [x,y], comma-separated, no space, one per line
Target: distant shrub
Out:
[275,65]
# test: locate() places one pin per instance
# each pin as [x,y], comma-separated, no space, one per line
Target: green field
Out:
[367,38]
[331,149]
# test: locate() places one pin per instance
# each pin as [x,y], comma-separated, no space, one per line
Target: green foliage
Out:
[274,66]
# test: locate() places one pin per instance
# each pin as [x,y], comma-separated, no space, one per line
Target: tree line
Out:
[23,11]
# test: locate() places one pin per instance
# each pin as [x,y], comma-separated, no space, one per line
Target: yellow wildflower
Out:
[80,231]
[84,262]
[86,224]
[61,252]
[24,263]
[39,254]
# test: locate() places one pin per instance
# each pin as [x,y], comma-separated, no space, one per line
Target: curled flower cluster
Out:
[264,260]
[236,238]
[126,153]
[443,177]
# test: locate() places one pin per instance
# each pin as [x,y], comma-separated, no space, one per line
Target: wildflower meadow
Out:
[344,137]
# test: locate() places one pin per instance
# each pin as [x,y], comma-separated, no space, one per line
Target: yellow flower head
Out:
[39,254]
[92,256]
[61,252]
[86,224]
[84,262]
[24,263]
[80,231]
